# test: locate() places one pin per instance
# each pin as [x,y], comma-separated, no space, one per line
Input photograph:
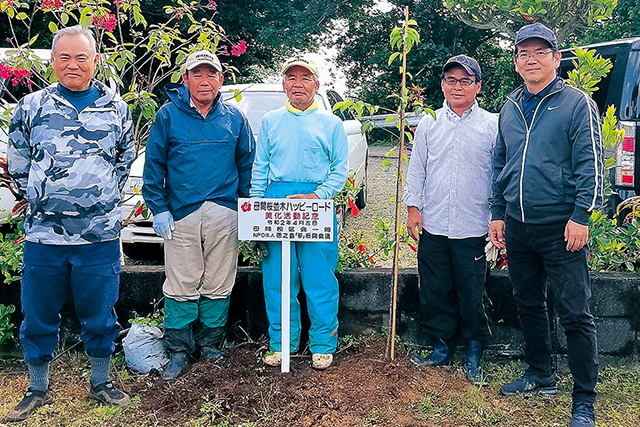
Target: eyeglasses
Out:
[535,55]
[465,81]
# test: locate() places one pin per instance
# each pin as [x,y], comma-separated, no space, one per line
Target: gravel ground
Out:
[381,202]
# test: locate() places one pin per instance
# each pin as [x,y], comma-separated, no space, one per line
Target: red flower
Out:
[139,210]
[212,5]
[413,248]
[51,5]
[354,209]
[18,75]
[239,49]
[108,22]
[179,13]
[5,71]
[362,248]
[351,182]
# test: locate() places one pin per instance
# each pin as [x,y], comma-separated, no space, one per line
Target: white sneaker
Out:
[273,358]
[322,361]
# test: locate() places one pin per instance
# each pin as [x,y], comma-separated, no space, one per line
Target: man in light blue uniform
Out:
[302,152]
[70,149]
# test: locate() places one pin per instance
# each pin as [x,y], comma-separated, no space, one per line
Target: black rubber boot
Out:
[208,339]
[179,340]
[442,352]
[177,362]
[472,364]
[179,343]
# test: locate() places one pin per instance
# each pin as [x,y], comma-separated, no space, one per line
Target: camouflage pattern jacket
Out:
[70,165]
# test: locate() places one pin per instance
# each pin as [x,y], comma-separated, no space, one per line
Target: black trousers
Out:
[452,287]
[536,252]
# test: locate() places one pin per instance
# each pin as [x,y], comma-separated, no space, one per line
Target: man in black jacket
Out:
[547,179]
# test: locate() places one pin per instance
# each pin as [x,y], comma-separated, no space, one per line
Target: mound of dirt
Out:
[362,387]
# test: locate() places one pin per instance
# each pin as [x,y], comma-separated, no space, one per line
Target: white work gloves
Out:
[163,224]
[491,252]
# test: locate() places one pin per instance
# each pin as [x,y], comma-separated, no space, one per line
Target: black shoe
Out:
[530,383]
[32,400]
[472,363]
[441,355]
[583,415]
[210,353]
[108,394]
[177,362]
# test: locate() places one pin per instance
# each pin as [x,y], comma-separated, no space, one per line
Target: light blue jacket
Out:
[308,146]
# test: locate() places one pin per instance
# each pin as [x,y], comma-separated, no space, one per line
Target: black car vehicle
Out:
[619,88]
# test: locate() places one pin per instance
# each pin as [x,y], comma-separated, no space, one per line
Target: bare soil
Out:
[362,387]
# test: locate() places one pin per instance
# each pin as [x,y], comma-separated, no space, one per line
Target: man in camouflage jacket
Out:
[70,149]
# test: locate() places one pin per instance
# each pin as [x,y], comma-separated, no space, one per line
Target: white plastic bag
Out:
[143,349]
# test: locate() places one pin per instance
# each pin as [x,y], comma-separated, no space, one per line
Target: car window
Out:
[630,105]
[255,105]
[599,96]
[333,98]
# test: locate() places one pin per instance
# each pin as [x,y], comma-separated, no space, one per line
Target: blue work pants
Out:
[90,274]
[312,266]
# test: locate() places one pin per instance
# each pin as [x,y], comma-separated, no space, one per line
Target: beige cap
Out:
[202,57]
[299,61]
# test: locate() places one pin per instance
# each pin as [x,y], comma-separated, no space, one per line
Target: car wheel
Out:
[147,251]
[361,197]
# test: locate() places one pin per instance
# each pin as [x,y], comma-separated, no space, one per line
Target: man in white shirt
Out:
[448,183]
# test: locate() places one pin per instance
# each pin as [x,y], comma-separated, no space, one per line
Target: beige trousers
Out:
[201,259]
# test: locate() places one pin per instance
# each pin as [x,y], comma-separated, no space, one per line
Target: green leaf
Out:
[86,17]
[175,77]
[393,57]
[366,126]
[53,27]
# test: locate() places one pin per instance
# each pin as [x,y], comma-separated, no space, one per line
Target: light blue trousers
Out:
[312,266]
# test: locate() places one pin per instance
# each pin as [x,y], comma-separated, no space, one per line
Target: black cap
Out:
[468,63]
[537,31]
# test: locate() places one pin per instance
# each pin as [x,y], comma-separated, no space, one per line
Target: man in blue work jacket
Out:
[198,162]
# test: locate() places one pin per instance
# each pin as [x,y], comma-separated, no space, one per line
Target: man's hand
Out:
[303,196]
[496,233]
[576,235]
[260,248]
[414,222]
[163,224]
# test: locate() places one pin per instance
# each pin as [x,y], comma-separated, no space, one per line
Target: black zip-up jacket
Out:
[552,170]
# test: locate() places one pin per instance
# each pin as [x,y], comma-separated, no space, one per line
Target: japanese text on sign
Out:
[285,219]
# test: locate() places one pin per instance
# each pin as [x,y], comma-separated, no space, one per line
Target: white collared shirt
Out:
[449,176]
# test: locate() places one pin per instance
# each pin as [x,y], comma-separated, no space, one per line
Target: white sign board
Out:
[300,220]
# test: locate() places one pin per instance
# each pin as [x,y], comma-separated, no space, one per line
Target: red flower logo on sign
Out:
[246,207]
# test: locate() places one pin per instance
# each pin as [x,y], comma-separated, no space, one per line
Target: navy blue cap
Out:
[537,31]
[468,63]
